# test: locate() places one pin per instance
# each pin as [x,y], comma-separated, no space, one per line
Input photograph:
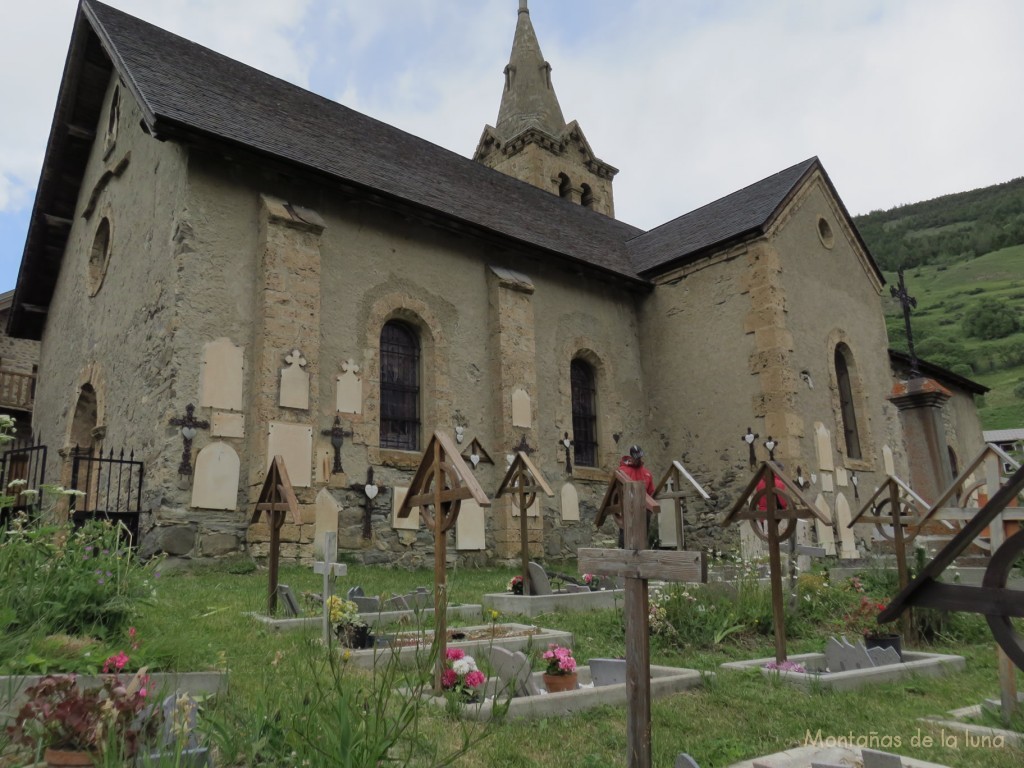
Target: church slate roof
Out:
[184,87]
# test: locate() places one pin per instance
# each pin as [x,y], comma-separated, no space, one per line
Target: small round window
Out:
[99,256]
[825,233]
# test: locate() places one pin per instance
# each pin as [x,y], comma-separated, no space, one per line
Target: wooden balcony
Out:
[17,390]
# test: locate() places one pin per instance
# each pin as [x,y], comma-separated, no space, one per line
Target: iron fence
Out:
[109,488]
[25,462]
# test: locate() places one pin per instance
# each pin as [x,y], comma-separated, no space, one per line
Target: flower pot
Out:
[893,641]
[68,757]
[559,683]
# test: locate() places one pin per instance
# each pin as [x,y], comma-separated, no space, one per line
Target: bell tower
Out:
[531,140]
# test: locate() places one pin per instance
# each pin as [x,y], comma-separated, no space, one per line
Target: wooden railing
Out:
[17,390]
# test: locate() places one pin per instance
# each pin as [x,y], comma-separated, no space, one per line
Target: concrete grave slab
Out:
[812,755]
[566,602]
[817,674]
[607,671]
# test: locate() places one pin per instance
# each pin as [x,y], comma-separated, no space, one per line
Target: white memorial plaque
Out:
[295,382]
[826,536]
[570,502]
[848,544]
[220,376]
[521,416]
[327,509]
[215,484]
[349,389]
[410,523]
[294,443]
[224,424]
[823,446]
[887,460]
[470,526]
[667,523]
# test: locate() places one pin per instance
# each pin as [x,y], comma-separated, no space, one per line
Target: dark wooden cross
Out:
[908,302]
[524,446]
[770,445]
[894,504]
[277,498]
[188,425]
[440,484]
[749,439]
[627,500]
[337,434]
[522,481]
[782,505]
[672,486]
[370,491]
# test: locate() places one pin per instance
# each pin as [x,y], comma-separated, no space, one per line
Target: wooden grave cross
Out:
[330,569]
[781,504]
[276,499]
[671,486]
[440,484]
[905,513]
[627,501]
[523,480]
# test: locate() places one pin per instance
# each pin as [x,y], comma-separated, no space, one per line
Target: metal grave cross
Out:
[188,424]
[628,500]
[908,302]
[369,490]
[337,434]
[330,569]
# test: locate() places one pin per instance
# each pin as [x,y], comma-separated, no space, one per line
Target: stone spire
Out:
[531,140]
[528,100]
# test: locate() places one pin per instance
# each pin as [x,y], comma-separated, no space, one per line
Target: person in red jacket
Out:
[632,466]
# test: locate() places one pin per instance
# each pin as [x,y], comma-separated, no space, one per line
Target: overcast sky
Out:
[903,100]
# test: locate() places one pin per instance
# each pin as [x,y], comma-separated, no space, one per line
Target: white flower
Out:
[30,495]
[17,483]
[464,666]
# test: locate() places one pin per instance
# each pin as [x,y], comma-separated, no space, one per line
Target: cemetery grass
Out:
[197,622]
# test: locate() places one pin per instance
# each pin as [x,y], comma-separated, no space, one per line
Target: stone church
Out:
[223,267]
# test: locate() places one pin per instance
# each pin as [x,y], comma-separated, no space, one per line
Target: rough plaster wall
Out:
[963,427]
[700,388]
[830,295]
[123,336]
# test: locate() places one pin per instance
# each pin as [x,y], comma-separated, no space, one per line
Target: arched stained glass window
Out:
[584,413]
[399,387]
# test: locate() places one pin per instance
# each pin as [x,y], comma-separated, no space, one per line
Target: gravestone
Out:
[220,376]
[539,582]
[521,411]
[178,742]
[470,528]
[683,760]
[326,521]
[570,503]
[349,389]
[294,382]
[224,424]
[874,759]
[294,442]
[291,605]
[515,670]
[843,656]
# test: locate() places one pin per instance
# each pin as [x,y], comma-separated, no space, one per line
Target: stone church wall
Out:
[117,343]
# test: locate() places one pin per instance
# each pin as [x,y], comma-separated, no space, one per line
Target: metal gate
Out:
[110,488]
[24,465]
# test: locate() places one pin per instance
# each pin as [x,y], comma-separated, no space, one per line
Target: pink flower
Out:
[567,664]
[449,678]
[115,663]
[142,693]
[454,654]
[475,679]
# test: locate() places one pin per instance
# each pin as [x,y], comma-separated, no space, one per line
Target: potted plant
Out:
[349,626]
[592,581]
[461,676]
[515,585]
[560,674]
[864,621]
[77,726]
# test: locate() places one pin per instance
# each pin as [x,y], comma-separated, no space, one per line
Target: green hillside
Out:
[990,287]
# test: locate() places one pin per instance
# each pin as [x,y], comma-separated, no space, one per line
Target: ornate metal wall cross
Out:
[567,444]
[908,302]
[749,439]
[188,425]
[337,434]
[370,491]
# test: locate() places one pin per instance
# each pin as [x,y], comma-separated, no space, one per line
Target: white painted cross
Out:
[329,568]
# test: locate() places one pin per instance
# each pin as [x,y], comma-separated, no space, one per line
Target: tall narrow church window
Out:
[584,413]
[843,363]
[564,186]
[99,256]
[587,199]
[399,387]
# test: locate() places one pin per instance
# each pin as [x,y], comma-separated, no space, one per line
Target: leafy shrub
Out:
[994,319]
[54,579]
[1018,389]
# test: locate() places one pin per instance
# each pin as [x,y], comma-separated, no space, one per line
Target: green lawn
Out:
[198,621]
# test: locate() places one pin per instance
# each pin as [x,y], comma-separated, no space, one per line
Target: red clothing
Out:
[637,473]
[762,503]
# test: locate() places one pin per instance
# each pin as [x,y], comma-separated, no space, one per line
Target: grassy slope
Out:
[737,716]
[943,294]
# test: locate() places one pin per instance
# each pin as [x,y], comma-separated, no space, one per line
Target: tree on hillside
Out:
[994,319]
